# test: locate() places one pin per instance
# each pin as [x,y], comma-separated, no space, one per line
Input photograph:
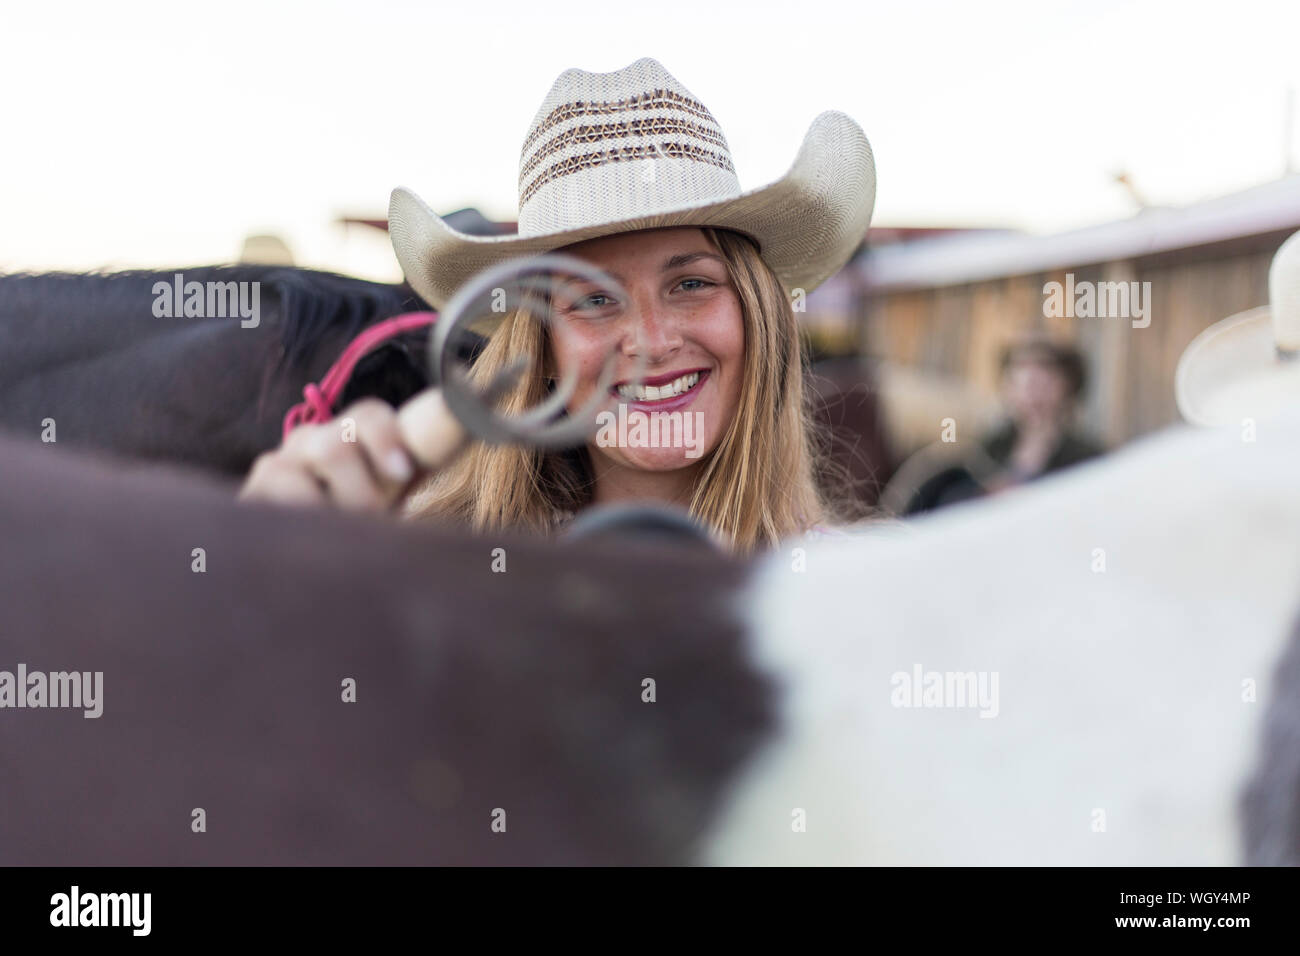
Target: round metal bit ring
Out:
[500,290]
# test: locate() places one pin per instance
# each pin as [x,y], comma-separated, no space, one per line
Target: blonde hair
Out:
[755,488]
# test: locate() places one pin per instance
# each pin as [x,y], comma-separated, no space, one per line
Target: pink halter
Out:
[319,400]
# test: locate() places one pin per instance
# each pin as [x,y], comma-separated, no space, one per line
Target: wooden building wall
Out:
[960,330]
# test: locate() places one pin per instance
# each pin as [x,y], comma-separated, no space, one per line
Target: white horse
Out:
[1129,616]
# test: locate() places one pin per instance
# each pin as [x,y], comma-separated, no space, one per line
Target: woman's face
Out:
[680,320]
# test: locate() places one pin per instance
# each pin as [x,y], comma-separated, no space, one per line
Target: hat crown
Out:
[1284,295]
[619,145]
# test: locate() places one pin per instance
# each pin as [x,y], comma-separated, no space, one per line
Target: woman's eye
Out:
[592,302]
[694,285]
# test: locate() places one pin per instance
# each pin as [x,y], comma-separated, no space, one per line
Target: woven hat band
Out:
[650,137]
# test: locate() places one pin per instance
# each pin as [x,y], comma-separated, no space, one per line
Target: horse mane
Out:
[309,303]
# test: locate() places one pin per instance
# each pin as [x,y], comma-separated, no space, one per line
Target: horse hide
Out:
[476,690]
[1133,613]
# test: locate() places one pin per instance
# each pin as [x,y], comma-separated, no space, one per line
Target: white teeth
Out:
[653,393]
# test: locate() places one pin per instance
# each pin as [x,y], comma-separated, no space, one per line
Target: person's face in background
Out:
[1036,392]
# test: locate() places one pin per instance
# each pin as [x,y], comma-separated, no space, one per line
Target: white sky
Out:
[158,134]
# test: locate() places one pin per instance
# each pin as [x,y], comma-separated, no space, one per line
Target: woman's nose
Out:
[652,333]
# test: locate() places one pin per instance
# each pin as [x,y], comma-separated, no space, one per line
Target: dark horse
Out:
[91,354]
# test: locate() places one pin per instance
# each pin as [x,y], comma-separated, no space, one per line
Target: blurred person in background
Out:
[1042,383]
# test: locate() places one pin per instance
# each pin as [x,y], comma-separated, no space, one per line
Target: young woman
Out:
[629,172]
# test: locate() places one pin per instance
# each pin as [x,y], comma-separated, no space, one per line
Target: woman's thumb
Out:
[430,431]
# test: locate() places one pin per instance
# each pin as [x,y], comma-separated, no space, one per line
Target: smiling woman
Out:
[698,298]
[630,173]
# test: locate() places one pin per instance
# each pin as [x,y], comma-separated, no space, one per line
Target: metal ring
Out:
[540,427]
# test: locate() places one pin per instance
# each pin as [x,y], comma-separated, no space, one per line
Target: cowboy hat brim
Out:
[808,223]
[1231,372]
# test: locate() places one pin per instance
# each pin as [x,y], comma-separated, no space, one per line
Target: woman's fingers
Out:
[375,426]
[356,461]
[363,460]
[336,454]
[275,477]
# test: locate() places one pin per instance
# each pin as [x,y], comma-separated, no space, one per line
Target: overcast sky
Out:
[160,134]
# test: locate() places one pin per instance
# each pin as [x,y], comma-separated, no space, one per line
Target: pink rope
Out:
[319,400]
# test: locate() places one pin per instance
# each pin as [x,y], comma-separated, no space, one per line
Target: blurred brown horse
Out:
[88,352]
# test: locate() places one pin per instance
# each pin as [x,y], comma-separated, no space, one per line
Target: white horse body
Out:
[1126,723]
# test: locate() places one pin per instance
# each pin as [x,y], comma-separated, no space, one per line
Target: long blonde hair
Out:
[755,488]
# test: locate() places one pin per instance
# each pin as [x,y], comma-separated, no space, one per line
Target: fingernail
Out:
[398,465]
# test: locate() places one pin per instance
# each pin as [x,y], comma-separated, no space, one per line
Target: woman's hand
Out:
[363,460]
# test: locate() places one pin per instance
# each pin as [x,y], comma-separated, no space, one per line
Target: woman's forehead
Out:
[640,243]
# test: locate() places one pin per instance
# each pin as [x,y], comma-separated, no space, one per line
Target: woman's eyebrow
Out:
[686,258]
[672,262]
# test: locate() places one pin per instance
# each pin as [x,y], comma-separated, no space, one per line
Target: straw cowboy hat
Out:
[634,149]
[1248,365]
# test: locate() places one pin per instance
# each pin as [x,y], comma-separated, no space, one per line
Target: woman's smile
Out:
[670,392]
